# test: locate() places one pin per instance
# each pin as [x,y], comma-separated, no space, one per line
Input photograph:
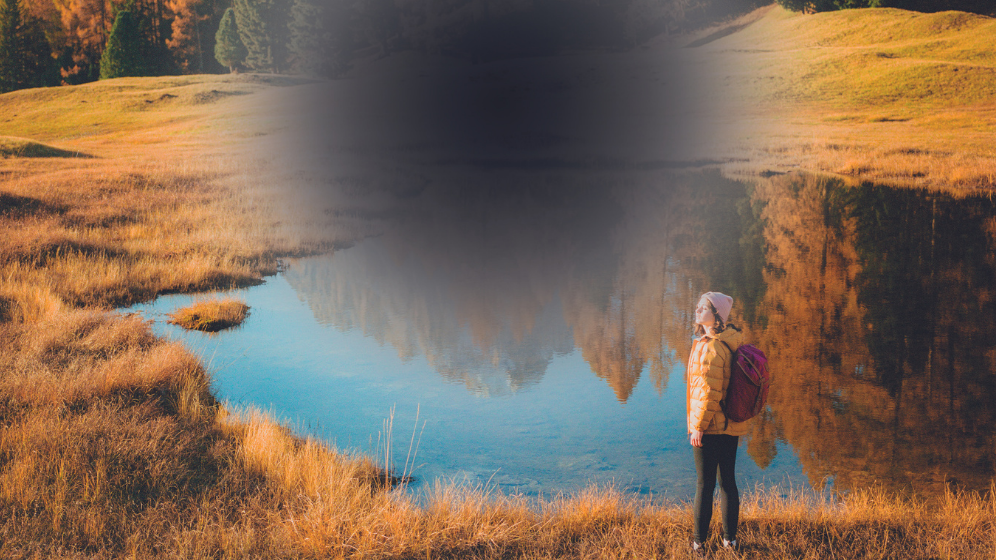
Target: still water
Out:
[539,333]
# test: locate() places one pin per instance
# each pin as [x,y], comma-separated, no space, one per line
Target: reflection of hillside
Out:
[880,377]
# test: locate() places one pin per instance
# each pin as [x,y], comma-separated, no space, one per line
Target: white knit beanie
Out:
[722,302]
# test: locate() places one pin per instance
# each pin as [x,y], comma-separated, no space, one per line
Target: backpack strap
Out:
[722,401]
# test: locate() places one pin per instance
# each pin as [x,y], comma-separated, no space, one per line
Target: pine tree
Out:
[321,36]
[263,28]
[11,47]
[122,55]
[39,68]
[228,47]
[152,20]
[25,54]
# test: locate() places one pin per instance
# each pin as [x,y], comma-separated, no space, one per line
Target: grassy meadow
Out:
[885,95]
[112,445]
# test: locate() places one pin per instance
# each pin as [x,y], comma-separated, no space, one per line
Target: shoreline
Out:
[956,168]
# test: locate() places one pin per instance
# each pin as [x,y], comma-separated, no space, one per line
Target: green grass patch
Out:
[868,80]
[879,57]
[121,106]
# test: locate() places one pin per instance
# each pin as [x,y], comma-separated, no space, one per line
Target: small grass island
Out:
[211,315]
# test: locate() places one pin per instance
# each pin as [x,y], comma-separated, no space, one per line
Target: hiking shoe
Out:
[731,545]
[698,550]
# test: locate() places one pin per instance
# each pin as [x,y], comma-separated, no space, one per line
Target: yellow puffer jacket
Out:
[708,376]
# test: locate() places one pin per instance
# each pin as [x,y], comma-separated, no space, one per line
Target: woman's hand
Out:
[696,438]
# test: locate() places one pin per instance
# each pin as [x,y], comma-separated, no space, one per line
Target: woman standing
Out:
[714,438]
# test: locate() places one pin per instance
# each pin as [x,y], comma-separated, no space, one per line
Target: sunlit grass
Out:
[885,95]
[126,111]
[114,446]
[211,315]
[131,223]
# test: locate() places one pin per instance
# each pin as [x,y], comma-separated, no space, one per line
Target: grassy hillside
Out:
[123,189]
[127,112]
[882,59]
[20,147]
[880,94]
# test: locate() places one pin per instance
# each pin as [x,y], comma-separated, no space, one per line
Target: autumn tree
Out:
[193,29]
[86,24]
[46,41]
[185,40]
[228,47]
[46,14]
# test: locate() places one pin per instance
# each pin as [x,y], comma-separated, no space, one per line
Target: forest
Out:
[64,42]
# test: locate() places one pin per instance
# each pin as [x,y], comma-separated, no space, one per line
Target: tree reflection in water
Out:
[873,304]
[876,305]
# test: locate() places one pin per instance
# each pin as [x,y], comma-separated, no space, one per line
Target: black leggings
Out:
[717,451]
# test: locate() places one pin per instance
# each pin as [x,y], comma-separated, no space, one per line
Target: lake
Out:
[537,325]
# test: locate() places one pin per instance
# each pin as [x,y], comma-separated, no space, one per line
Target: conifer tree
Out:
[263,28]
[228,47]
[152,21]
[11,47]
[25,54]
[39,68]
[122,55]
[321,36]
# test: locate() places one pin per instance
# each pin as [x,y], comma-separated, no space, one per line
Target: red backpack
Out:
[749,382]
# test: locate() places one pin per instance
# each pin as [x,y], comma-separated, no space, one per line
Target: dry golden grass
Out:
[188,214]
[112,446]
[211,315]
[881,95]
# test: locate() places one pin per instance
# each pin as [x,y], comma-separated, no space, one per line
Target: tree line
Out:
[53,42]
[985,7]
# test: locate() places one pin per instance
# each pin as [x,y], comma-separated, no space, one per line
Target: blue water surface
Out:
[559,434]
